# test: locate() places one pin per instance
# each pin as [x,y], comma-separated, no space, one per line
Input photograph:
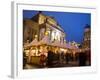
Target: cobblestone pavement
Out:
[64,64]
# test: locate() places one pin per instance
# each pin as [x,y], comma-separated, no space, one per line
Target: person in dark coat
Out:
[55,59]
[82,58]
[49,58]
[24,59]
[67,58]
[42,60]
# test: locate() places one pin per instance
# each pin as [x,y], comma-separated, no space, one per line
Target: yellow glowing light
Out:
[36,36]
[46,33]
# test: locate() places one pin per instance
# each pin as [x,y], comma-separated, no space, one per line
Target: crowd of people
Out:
[57,59]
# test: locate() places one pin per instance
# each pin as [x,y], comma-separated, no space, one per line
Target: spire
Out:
[40,12]
[87,26]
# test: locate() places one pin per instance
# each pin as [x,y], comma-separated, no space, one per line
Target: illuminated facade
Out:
[87,37]
[41,24]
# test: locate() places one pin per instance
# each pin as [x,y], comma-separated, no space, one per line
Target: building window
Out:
[42,32]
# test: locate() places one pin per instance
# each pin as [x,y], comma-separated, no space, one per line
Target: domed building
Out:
[87,37]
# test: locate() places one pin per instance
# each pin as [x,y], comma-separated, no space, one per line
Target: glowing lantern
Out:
[36,36]
[46,33]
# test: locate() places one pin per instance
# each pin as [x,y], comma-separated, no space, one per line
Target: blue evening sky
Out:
[72,23]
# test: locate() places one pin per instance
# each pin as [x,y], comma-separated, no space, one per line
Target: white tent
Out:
[56,43]
[34,43]
[26,45]
[45,40]
[68,46]
[73,47]
[64,45]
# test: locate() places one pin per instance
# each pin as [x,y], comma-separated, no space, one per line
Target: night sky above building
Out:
[72,23]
